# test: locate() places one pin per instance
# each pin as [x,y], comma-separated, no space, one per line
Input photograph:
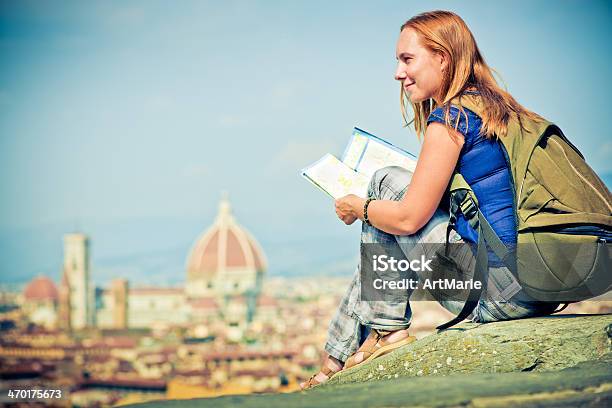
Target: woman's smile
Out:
[407,85]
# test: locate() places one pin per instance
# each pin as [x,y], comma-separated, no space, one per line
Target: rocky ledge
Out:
[539,344]
[560,361]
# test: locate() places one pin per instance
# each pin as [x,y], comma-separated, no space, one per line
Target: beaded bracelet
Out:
[365,210]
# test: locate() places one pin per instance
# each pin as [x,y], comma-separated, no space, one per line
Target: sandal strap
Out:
[369,347]
[312,381]
[327,371]
[381,333]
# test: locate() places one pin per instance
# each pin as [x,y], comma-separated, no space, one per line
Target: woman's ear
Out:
[443,62]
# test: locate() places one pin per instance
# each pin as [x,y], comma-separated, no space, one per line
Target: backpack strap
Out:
[462,198]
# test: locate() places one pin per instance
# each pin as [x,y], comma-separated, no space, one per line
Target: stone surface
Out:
[540,344]
[563,361]
[586,384]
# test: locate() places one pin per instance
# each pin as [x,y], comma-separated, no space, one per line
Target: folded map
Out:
[364,154]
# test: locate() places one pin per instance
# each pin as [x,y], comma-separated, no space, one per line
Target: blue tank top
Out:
[483,164]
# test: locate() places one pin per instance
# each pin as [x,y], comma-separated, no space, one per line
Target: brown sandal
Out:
[375,346]
[312,381]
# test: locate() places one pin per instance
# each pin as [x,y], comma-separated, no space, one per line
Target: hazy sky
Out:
[137,114]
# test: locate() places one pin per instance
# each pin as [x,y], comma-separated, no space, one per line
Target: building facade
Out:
[77,271]
[224,273]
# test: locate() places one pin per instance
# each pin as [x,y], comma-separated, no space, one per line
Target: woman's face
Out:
[418,69]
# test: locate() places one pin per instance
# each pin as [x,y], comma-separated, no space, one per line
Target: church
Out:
[224,273]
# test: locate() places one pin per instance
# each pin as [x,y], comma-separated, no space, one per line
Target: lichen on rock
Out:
[538,344]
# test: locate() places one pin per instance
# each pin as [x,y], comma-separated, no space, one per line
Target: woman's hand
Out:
[349,208]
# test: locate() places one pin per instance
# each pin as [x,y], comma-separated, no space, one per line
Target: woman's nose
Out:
[400,73]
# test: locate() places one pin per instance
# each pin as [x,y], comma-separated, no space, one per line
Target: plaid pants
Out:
[354,317]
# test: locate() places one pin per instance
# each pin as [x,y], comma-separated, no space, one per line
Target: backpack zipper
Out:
[513,185]
[593,230]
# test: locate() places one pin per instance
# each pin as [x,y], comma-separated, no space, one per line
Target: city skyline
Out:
[126,121]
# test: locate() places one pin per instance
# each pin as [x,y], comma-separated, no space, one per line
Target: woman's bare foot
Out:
[390,338]
[333,366]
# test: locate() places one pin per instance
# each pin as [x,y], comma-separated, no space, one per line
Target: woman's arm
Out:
[434,169]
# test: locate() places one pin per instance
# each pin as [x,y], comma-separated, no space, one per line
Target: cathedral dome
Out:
[226,248]
[40,289]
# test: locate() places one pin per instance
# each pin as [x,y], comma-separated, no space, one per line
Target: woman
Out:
[438,60]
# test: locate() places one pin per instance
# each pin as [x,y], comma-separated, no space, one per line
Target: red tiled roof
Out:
[225,245]
[260,372]
[248,354]
[41,288]
[204,303]
[235,253]
[210,260]
[238,300]
[192,372]
[264,300]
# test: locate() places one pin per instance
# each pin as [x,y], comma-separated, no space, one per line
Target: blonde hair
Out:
[446,33]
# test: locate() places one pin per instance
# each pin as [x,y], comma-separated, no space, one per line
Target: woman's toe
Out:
[359,357]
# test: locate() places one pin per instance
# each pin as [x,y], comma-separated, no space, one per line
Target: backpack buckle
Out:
[468,207]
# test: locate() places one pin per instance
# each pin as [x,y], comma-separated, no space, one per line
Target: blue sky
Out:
[126,119]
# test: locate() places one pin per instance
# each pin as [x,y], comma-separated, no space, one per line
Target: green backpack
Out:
[562,207]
